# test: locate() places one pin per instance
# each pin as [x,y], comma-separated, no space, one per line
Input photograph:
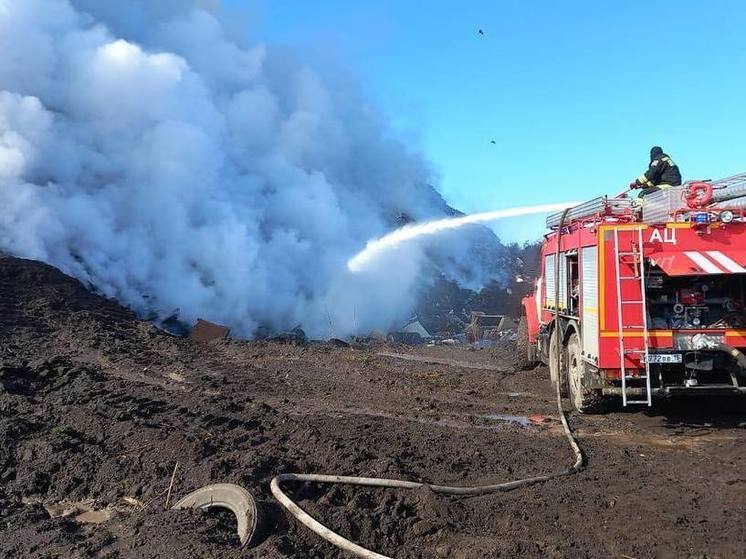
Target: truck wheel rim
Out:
[575,381]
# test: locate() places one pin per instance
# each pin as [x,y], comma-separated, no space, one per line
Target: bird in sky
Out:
[493,142]
[481,32]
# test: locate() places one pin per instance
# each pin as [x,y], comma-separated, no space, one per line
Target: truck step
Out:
[632,377]
[638,402]
[631,302]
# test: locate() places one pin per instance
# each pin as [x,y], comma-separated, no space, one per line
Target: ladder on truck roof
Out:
[631,263]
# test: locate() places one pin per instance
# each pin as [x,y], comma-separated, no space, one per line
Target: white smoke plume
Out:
[151,151]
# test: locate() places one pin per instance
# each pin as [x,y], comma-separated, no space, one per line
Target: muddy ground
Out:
[96,406]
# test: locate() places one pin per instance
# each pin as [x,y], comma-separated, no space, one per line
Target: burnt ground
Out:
[96,406]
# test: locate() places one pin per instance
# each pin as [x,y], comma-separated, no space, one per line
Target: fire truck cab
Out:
[644,302]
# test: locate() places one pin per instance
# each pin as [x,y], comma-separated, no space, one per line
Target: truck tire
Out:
[554,375]
[584,400]
[526,350]
[227,496]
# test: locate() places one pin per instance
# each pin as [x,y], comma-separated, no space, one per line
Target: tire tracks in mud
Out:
[442,361]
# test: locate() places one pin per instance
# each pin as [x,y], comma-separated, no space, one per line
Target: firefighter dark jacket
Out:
[662,171]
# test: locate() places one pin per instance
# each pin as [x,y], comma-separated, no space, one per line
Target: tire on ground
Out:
[586,400]
[526,351]
[554,374]
[228,496]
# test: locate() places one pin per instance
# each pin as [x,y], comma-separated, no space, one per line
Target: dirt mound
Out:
[96,407]
[53,314]
[36,298]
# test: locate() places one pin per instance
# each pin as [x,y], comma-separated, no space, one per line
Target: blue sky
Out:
[574,93]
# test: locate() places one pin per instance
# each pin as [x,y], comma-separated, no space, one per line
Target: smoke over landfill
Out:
[164,159]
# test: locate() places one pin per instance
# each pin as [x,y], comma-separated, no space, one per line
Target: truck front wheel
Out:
[525,349]
[583,399]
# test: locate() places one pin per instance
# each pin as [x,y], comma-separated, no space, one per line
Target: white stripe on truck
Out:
[701,261]
[726,262]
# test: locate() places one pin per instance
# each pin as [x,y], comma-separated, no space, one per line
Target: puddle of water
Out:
[521,420]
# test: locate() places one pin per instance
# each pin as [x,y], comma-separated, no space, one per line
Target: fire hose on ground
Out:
[347,545]
[351,547]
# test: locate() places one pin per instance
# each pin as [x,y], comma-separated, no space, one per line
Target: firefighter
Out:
[662,173]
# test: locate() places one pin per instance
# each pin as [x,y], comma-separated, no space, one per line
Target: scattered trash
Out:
[294,336]
[509,335]
[484,344]
[486,329]
[83,512]
[406,338]
[378,336]
[63,509]
[204,331]
[176,377]
[95,516]
[131,501]
[172,324]
[521,420]
[412,333]
[228,496]
[414,326]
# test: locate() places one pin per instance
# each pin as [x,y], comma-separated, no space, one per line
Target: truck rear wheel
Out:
[583,399]
[526,350]
[555,375]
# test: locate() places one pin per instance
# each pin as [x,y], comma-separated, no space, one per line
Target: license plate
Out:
[663,358]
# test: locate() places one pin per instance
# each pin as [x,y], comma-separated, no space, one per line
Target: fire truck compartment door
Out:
[700,262]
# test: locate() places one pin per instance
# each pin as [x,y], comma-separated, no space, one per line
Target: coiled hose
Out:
[351,547]
[739,357]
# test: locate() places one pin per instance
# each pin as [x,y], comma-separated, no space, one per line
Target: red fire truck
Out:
[644,301]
